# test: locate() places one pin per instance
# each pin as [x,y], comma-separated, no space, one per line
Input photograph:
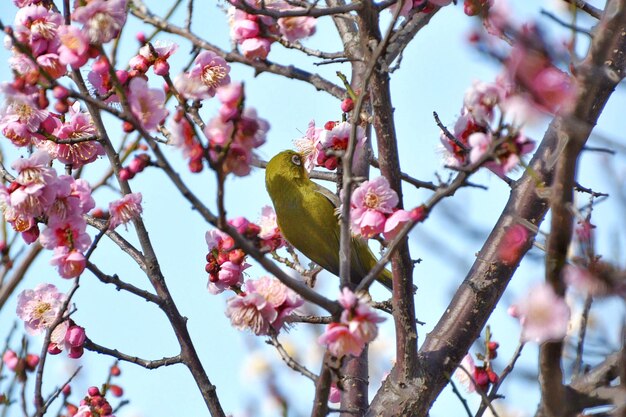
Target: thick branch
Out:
[482,288]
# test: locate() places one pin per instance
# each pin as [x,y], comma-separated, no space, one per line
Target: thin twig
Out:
[289,361]
[145,363]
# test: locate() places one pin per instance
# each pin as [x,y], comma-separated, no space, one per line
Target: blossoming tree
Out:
[80,120]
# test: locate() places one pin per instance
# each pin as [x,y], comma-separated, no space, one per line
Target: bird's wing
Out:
[362,257]
[332,197]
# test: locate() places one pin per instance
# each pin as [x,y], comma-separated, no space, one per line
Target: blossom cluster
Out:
[225,262]
[38,192]
[235,132]
[537,79]
[94,405]
[478,378]
[474,136]
[39,308]
[262,306]
[255,33]
[373,210]
[322,147]
[357,326]
[20,365]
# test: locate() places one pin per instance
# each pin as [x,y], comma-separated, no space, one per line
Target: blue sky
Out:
[436,70]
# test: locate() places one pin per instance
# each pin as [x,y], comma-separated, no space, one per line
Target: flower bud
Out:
[32,361]
[347,105]
[116,390]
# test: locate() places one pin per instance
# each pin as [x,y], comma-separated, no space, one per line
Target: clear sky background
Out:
[436,70]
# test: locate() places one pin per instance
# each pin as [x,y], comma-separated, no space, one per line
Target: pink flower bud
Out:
[93,391]
[67,390]
[75,336]
[126,174]
[141,37]
[347,105]
[53,349]
[101,66]
[59,92]
[61,106]
[76,352]
[10,359]
[139,163]
[115,370]
[116,390]
[106,409]
[161,67]
[32,361]
[122,75]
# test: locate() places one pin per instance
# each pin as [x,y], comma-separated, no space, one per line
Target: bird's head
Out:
[287,165]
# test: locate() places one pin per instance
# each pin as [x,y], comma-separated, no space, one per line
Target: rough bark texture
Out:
[486,281]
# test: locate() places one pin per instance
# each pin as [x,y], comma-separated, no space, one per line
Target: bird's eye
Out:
[296,160]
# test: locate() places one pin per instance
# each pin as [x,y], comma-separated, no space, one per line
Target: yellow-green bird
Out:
[306,216]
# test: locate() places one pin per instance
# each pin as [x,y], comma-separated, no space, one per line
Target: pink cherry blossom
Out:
[78,126]
[100,79]
[230,275]
[147,104]
[21,108]
[269,232]
[479,143]
[37,26]
[357,326]
[74,46]
[251,311]
[296,27]
[250,133]
[70,263]
[241,29]
[340,341]
[155,55]
[231,96]
[395,223]
[10,359]
[39,307]
[283,300]
[124,210]
[544,316]
[102,19]
[548,87]
[211,70]
[69,232]
[256,48]
[481,99]
[334,139]
[370,204]
[309,145]
[57,338]
[358,315]
[216,239]
[468,365]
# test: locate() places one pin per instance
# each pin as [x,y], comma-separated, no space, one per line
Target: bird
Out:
[306,214]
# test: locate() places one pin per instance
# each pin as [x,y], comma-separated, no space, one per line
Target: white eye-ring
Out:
[296,160]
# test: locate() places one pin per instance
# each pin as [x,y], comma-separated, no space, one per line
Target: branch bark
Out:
[486,281]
